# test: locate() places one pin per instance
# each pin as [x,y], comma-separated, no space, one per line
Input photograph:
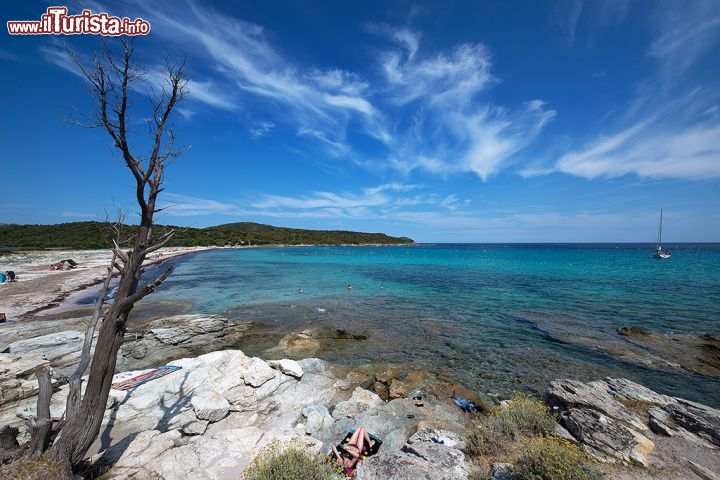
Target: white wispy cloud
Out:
[202,91]
[667,130]
[647,151]
[187,206]
[319,102]
[261,128]
[451,129]
[687,31]
[593,15]
[393,199]
[423,109]
[56,54]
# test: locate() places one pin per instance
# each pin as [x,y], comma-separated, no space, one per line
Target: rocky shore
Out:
[209,418]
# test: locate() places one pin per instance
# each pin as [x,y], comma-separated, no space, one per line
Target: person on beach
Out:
[348,454]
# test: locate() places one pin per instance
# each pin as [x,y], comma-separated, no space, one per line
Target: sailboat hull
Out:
[662,255]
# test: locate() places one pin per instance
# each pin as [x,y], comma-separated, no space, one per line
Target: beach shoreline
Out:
[31,297]
[39,288]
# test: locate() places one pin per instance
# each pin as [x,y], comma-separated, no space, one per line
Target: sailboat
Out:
[659,252]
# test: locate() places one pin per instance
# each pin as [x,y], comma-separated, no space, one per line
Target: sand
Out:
[39,288]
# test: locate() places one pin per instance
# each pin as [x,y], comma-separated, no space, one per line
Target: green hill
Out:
[81,235]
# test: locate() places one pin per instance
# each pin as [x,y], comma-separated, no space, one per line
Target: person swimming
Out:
[349,287]
[300,290]
[382,285]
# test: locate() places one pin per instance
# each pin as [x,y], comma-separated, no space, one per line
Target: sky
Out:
[477,121]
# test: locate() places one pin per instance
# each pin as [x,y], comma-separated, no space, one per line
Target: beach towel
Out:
[366,452]
[145,377]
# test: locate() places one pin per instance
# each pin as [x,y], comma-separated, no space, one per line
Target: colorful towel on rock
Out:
[145,377]
[367,451]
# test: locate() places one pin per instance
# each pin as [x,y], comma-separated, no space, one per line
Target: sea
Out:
[495,317]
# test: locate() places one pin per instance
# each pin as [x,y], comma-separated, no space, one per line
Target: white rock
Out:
[318,418]
[256,371]
[288,367]
[210,405]
[208,324]
[242,398]
[188,423]
[360,401]
[170,336]
[52,346]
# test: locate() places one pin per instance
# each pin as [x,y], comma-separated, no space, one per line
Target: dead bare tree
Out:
[110,78]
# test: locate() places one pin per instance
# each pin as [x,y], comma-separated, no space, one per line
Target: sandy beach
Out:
[38,288]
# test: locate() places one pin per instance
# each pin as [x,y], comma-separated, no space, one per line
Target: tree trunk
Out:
[81,429]
[43,423]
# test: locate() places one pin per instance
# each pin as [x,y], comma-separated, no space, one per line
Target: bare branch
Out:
[162,241]
[146,290]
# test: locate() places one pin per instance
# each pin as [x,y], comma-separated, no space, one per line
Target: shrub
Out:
[288,462]
[34,469]
[522,415]
[550,458]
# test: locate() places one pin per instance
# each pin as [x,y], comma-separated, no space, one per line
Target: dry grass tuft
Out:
[522,416]
[550,458]
[287,462]
[39,469]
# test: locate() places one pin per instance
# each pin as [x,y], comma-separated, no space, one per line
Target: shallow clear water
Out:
[483,313]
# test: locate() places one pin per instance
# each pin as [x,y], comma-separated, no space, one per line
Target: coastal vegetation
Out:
[524,425]
[521,416]
[546,458]
[91,235]
[287,462]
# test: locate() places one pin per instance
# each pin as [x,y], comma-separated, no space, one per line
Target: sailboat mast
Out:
[659,242]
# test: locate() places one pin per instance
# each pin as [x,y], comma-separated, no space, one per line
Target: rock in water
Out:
[170,336]
[398,389]
[210,405]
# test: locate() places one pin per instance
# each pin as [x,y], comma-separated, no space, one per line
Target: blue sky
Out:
[515,121]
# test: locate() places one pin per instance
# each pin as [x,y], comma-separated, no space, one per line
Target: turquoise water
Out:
[489,315]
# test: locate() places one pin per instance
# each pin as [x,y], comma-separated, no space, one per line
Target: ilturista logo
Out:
[56,21]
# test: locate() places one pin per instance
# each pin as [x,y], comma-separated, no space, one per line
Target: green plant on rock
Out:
[288,462]
[550,458]
[522,415]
